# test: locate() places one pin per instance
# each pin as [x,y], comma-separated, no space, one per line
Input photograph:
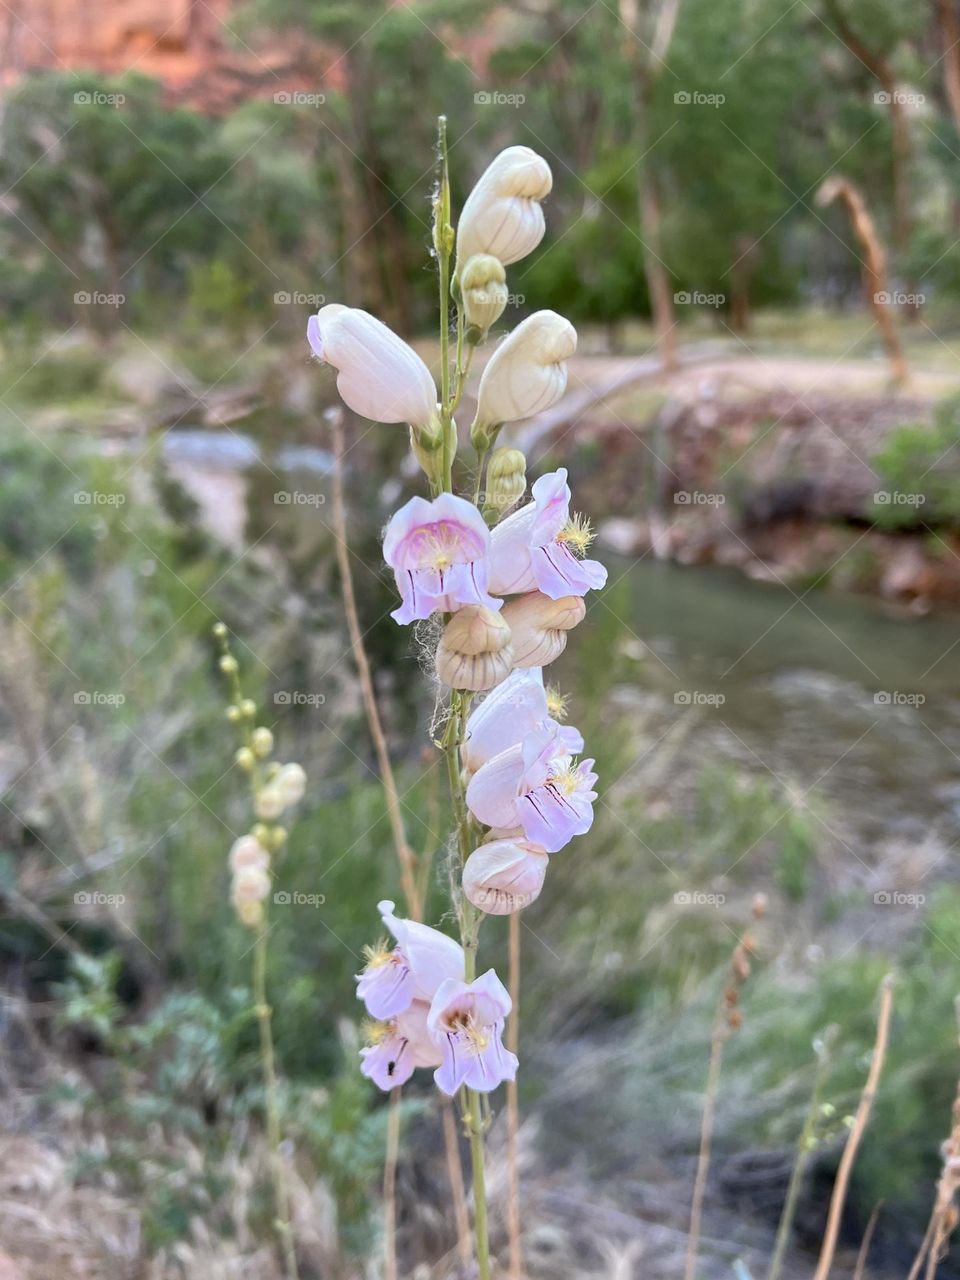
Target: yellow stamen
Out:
[566,779]
[379,954]
[577,533]
[375,1033]
[557,702]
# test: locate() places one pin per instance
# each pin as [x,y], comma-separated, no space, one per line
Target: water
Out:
[838,695]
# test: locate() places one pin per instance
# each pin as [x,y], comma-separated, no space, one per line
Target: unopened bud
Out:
[219,631]
[228,664]
[427,444]
[506,482]
[270,803]
[234,714]
[262,740]
[248,708]
[245,759]
[483,290]
[291,782]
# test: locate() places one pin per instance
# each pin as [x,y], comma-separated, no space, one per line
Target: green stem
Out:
[268,1065]
[479,1184]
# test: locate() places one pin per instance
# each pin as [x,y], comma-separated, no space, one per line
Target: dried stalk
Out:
[860,1269]
[860,1120]
[405,855]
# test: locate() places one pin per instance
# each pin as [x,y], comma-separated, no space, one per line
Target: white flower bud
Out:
[291,782]
[248,852]
[483,291]
[506,482]
[527,372]
[504,876]
[502,215]
[270,802]
[250,884]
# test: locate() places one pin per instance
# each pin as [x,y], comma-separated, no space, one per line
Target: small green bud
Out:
[427,445]
[229,665]
[506,482]
[234,713]
[261,833]
[262,742]
[245,759]
[248,708]
[484,295]
[278,838]
[219,631]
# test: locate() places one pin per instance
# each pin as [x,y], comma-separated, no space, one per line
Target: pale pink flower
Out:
[438,553]
[413,970]
[505,717]
[466,1022]
[398,1046]
[537,787]
[248,852]
[531,549]
[378,375]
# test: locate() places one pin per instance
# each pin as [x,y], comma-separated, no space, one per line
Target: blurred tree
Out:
[99,179]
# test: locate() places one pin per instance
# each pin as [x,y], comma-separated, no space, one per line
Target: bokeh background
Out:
[769,682]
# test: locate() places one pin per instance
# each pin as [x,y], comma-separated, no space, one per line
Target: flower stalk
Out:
[250,858]
[517,793]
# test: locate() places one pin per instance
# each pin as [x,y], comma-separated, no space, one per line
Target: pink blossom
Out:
[530,550]
[398,1046]
[504,876]
[378,375]
[438,552]
[466,1023]
[536,787]
[507,714]
[413,970]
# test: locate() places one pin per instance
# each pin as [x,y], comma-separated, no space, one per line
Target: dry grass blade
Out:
[860,1121]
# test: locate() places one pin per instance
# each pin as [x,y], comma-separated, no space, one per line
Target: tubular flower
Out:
[504,876]
[502,215]
[526,374]
[438,553]
[397,1047]
[538,788]
[412,970]
[378,375]
[538,547]
[466,1023]
[515,708]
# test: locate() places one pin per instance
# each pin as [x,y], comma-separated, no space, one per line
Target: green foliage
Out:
[919,470]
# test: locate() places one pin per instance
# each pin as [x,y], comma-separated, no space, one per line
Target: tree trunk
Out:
[950,32]
[658,277]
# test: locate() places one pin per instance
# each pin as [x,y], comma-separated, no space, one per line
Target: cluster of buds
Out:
[276,787]
[509,580]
